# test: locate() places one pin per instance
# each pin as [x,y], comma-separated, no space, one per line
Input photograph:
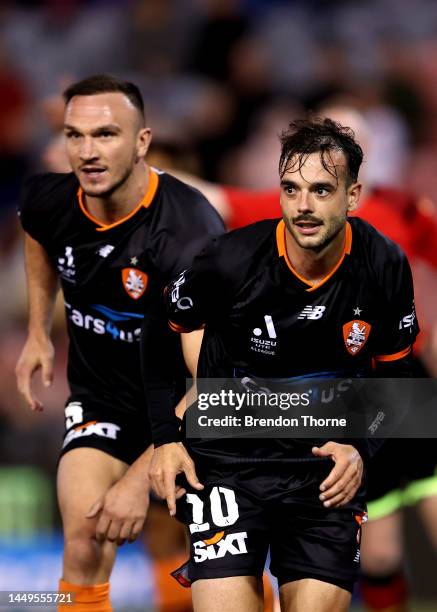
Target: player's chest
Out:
[105,269]
[341,321]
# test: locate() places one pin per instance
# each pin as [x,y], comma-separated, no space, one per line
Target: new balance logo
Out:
[312,312]
[106,250]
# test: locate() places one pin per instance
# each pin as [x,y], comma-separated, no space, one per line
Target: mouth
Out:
[93,172]
[308,228]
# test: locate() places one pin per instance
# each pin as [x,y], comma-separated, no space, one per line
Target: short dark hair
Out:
[310,135]
[105,83]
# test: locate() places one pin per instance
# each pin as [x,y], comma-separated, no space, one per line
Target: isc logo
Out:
[407,321]
[218,546]
[312,312]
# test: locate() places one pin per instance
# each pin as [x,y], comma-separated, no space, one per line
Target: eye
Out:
[106,134]
[322,191]
[72,135]
[289,189]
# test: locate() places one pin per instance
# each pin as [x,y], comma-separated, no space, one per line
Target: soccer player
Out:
[112,233]
[331,292]
[404,471]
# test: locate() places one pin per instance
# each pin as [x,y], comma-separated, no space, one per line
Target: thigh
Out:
[381,546]
[228,531]
[238,594]
[309,595]
[84,475]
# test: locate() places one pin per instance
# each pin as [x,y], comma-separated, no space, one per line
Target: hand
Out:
[36,354]
[122,510]
[345,478]
[169,460]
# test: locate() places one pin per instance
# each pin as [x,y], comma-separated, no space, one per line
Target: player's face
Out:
[106,141]
[314,202]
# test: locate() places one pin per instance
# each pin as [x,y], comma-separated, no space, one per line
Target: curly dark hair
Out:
[306,136]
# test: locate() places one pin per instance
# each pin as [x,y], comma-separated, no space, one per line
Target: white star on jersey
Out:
[134,261]
[357,311]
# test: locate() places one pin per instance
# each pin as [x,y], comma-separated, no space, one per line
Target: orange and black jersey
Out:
[263,320]
[113,276]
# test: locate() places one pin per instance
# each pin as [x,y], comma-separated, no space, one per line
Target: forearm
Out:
[42,286]
[140,468]
[191,344]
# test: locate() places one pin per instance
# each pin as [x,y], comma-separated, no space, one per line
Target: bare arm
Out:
[38,352]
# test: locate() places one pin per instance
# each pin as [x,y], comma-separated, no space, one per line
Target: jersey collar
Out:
[145,202]
[282,251]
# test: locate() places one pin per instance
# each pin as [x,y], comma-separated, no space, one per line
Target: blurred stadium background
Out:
[220,79]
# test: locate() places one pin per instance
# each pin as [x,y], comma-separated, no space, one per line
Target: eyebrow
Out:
[111,127]
[313,186]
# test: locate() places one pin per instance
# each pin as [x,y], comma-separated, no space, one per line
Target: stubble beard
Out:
[318,243]
[109,192]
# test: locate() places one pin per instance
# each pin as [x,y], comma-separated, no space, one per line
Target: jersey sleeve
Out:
[30,208]
[187,227]
[199,293]
[399,325]
[42,201]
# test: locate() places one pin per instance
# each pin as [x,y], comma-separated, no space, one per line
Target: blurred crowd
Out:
[221,79]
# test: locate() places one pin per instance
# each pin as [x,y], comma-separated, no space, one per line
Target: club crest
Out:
[355,334]
[134,281]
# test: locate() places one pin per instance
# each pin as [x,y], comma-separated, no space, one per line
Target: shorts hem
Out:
[108,451]
[291,574]
[224,573]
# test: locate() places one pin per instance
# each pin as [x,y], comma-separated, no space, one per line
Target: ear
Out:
[144,139]
[353,196]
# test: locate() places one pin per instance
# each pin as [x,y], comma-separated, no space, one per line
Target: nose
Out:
[88,150]
[305,203]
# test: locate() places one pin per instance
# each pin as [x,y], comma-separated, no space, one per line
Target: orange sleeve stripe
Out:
[395,356]
[178,328]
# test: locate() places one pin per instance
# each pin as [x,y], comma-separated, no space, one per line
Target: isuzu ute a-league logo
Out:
[66,266]
[134,281]
[355,335]
[264,340]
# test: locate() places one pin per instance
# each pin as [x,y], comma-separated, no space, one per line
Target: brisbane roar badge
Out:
[355,334]
[134,281]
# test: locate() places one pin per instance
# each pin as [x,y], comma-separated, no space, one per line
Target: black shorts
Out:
[245,510]
[91,424]
[401,473]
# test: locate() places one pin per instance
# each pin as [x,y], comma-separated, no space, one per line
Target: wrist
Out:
[38,334]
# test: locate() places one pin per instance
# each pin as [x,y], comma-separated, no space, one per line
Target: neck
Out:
[123,200]
[311,264]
